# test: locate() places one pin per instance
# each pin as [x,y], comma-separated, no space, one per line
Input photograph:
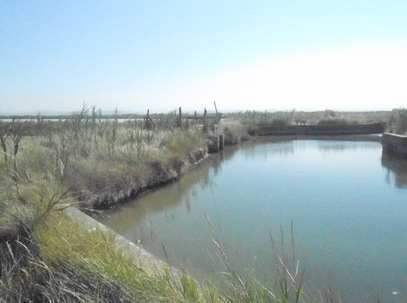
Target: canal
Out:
[346,203]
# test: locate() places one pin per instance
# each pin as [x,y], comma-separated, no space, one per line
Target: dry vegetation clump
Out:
[234,132]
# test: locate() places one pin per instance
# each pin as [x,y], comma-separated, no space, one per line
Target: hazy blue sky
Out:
[135,55]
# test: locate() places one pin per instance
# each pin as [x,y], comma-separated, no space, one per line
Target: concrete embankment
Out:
[215,143]
[142,259]
[394,144]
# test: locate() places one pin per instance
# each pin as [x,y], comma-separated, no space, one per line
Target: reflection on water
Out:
[396,170]
[349,222]
[165,200]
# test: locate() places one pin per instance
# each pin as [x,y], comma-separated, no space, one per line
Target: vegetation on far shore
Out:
[396,119]
[94,163]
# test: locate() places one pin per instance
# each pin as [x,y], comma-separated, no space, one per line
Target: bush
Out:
[253,130]
[333,121]
[236,132]
[280,121]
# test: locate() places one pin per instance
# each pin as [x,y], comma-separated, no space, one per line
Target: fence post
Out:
[179,118]
[205,123]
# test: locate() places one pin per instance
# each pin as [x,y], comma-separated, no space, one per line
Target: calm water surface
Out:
[347,203]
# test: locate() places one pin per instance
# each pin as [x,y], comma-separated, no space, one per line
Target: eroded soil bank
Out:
[154,174]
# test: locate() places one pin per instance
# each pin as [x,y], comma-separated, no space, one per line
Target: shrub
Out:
[333,121]
[235,132]
[253,129]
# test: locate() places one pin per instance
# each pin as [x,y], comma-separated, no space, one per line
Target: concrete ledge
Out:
[142,258]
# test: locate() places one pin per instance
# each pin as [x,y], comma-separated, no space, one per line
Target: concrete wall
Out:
[347,129]
[142,258]
[213,143]
[394,144]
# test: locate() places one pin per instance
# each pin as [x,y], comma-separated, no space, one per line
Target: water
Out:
[347,204]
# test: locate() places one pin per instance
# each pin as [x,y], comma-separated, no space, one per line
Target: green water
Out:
[346,202]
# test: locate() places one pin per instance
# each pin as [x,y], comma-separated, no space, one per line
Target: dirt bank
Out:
[152,175]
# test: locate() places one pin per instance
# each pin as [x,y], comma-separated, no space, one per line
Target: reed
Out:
[287,283]
[102,161]
[234,132]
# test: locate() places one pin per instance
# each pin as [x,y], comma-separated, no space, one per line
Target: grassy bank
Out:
[53,259]
[99,161]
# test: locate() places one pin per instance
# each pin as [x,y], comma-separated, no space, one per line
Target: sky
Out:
[160,55]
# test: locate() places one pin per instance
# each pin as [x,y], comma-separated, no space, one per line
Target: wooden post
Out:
[221,142]
[180,117]
[217,119]
[149,123]
[146,120]
[205,123]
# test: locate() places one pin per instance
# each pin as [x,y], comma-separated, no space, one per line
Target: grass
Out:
[257,117]
[93,162]
[234,132]
[286,285]
[64,240]
[59,261]
[279,118]
[101,161]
